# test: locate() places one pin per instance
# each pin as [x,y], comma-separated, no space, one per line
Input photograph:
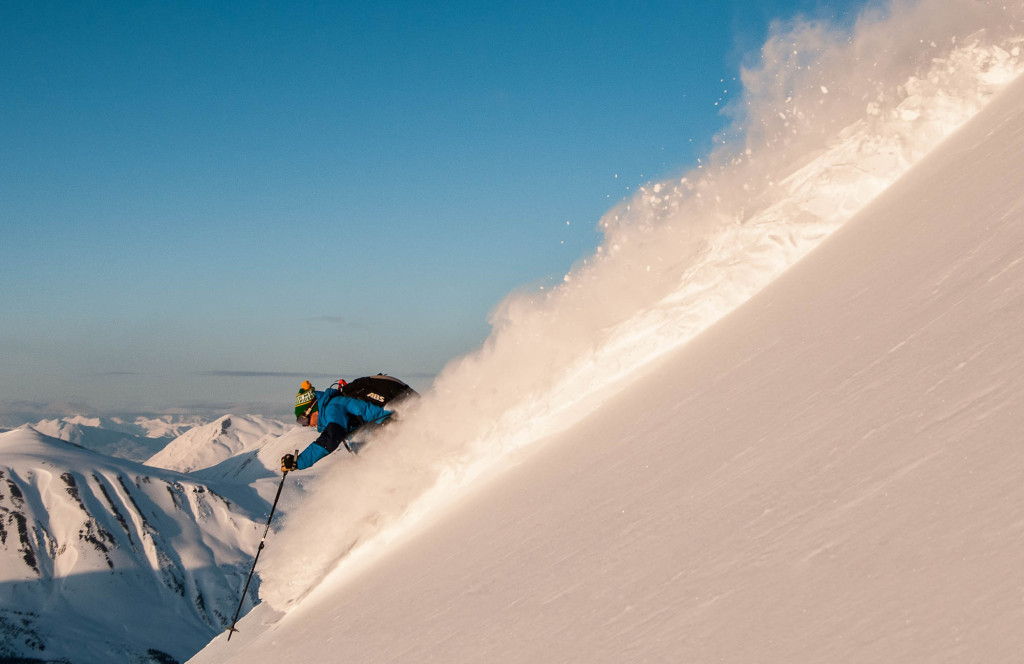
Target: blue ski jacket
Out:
[348,413]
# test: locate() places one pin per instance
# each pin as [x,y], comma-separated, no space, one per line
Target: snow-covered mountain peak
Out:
[212,443]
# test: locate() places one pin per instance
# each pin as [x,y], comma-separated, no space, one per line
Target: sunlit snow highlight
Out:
[827,122]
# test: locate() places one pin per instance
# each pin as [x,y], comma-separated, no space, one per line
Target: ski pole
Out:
[232,630]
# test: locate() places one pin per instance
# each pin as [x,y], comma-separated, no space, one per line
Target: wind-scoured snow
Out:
[828,121]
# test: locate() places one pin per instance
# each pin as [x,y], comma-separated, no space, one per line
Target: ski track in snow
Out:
[676,258]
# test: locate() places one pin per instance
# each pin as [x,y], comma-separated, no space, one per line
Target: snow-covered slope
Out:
[210,444]
[106,560]
[677,258]
[828,472]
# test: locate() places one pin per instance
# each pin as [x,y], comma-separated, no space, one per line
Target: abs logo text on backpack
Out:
[378,390]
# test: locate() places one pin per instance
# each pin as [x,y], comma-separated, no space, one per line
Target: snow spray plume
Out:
[827,120]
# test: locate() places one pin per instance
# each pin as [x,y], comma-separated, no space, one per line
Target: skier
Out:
[338,411]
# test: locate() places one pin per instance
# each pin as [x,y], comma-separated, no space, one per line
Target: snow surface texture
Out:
[828,121]
[831,473]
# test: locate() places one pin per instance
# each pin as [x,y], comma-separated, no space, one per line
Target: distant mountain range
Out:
[136,439]
[105,559]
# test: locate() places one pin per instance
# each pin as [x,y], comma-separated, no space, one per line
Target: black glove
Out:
[288,463]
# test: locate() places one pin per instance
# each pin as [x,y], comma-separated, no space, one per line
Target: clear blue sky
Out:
[203,201]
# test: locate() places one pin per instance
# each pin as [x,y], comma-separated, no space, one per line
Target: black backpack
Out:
[378,390]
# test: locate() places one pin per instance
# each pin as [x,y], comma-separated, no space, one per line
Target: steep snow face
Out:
[828,121]
[210,444]
[830,474]
[106,560]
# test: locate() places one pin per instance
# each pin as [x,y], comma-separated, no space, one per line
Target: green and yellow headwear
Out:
[305,401]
